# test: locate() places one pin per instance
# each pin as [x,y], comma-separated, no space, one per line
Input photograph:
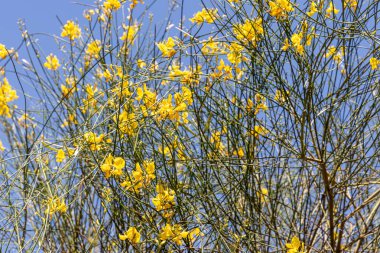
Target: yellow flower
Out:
[296,39]
[93,141]
[331,9]
[3,51]
[52,62]
[263,194]
[295,246]
[280,8]
[1,146]
[250,31]
[7,94]
[235,53]
[129,34]
[174,233]
[297,43]
[166,109]
[334,53]
[111,5]
[136,181]
[260,104]
[374,63]
[281,96]
[141,63]
[259,130]
[286,45]
[94,48]
[313,9]
[239,152]
[149,98]
[150,168]
[132,235]
[166,233]
[134,3]
[310,36]
[206,15]
[113,166]
[167,48]
[60,156]
[186,76]
[71,30]
[127,122]
[54,205]
[211,47]
[164,199]
[351,3]
[69,88]
[330,51]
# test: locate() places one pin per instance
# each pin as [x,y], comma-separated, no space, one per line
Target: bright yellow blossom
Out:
[286,45]
[330,51]
[334,53]
[235,55]
[239,152]
[147,96]
[297,43]
[3,51]
[111,5]
[60,156]
[113,166]
[206,15]
[139,178]
[374,62]
[134,3]
[259,130]
[94,141]
[313,9]
[141,63]
[132,235]
[150,168]
[129,34]
[331,9]
[7,94]
[295,246]
[54,205]
[310,36]
[164,199]
[1,146]
[174,233]
[353,4]
[167,48]
[263,195]
[280,8]
[94,48]
[52,62]
[71,30]
[127,122]
[250,31]
[211,47]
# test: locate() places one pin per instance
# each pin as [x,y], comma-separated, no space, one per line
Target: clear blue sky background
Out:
[40,16]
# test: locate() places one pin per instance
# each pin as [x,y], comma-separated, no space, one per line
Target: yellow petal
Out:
[296,242]
[119,163]
[122,237]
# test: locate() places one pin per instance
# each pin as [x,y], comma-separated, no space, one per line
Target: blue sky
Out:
[39,15]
